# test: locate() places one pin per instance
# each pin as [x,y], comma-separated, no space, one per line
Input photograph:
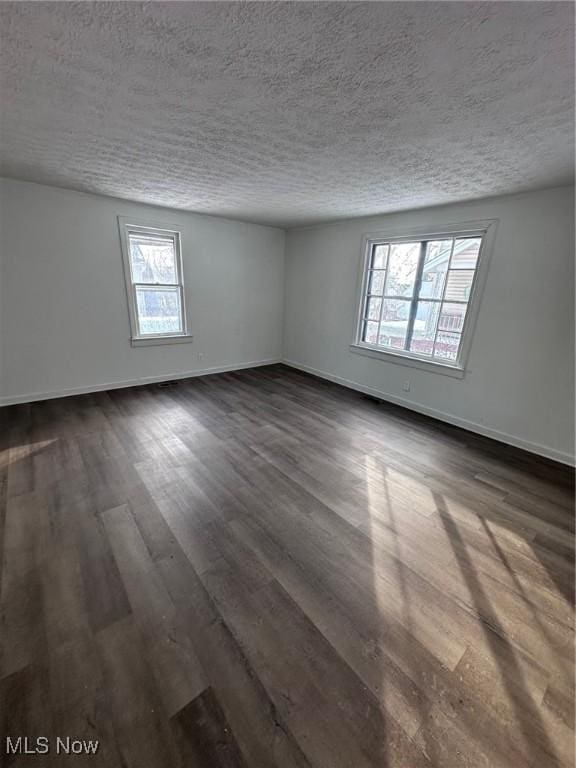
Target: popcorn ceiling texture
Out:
[288,113]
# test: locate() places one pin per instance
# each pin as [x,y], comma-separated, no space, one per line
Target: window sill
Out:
[151,341]
[410,362]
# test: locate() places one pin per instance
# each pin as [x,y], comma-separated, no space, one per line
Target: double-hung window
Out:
[154,283]
[418,296]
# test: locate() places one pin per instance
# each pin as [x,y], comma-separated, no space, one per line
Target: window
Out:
[154,283]
[417,294]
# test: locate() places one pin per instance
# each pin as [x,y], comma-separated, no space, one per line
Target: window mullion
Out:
[157,285]
[415,295]
[367,294]
[182,317]
[386,265]
[443,295]
[135,307]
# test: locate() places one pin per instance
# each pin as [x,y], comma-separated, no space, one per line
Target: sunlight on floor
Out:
[460,557]
[19,452]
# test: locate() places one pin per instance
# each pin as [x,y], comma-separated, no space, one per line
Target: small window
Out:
[416,296]
[154,282]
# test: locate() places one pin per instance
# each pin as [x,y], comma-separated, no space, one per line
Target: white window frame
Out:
[129,226]
[457,368]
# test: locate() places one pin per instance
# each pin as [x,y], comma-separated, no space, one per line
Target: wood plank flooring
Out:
[262,569]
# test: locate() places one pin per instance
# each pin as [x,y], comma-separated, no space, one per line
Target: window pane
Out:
[459,285]
[452,317]
[370,332]
[394,323]
[376,282]
[424,331]
[435,268]
[402,265]
[153,259]
[159,310]
[379,254]
[446,346]
[466,253]
[373,309]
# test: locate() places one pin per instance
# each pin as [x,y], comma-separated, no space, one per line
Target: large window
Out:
[417,293]
[154,282]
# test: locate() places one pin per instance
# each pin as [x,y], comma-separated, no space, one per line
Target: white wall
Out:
[63,308]
[519,386]
[65,327]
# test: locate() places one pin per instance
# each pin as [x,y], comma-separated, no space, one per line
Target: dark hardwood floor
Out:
[264,569]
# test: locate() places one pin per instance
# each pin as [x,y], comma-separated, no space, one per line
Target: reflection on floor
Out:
[264,569]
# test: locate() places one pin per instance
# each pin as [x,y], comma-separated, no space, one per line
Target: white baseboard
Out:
[35,396]
[471,426]
[503,437]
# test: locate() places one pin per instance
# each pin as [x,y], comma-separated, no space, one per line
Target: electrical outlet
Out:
[406,385]
[200,355]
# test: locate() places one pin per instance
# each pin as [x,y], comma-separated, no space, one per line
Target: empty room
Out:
[287,384]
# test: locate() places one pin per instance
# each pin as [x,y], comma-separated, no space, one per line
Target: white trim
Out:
[432,366]
[399,233]
[485,228]
[149,341]
[36,396]
[471,426]
[503,437]
[127,225]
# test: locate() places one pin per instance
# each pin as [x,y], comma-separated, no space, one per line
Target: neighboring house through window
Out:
[419,295]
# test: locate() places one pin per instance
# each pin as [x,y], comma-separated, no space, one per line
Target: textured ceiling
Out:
[288,113]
